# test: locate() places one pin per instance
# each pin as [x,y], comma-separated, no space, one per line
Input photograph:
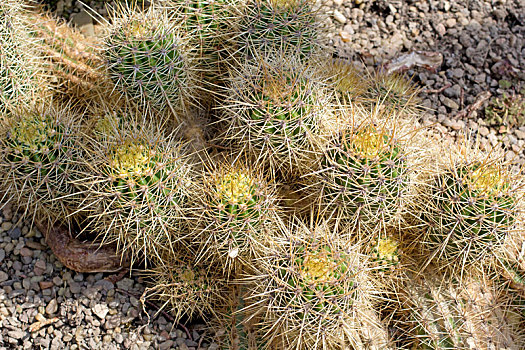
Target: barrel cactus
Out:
[237,214]
[349,84]
[184,289]
[470,207]
[275,112]
[365,175]
[289,26]
[40,157]
[20,66]
[310,288]
[446,315]
[137,188]
[148,59]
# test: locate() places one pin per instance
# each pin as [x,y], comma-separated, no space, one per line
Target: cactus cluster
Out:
[285,197]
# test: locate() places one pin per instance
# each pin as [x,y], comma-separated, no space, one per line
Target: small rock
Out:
[74,287]
[6,226]
[345,36]
[45,284]
[26,252]
[57,281]
[84,22]
[166,345]
[40,267]
[2,255]
[440,28]
[105,284]
[15,233]
[16,334]
[339,17]
[450,103]
[100,310]
[52,307]
[125,284]
[484,131]
[3,276]
[451,22]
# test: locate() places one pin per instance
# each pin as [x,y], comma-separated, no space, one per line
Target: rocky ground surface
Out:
[44,305]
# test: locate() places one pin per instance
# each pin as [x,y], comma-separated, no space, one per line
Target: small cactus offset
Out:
[275,110]
[149,60]
[349,84]
[184,289]
[238,214]
[309,288]
[393,92]
[470,207]
[143,185]
[365,175]
[40,158]
[286,26]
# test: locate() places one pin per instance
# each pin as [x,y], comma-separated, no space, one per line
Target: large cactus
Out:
[39,160]
[149,60]
[236,215]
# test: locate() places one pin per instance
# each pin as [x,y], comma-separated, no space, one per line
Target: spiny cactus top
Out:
[392,91]
[365,173]
[39,159]
[148,59]
[143,187]
[185,290]
[348,82]
[289,26]
[237,216]
[276,114]
[471,208]
[312,285]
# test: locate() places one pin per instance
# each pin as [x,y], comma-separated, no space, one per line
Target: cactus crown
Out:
[235,187]
[132,159]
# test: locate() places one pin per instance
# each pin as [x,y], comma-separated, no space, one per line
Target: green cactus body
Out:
[148,60]
[183,289]
[444,315]
[471,209]
[275,114]
[139,194]
[18,62]
[40,159]
[310,286]
[236,331]
[237,218]
[392,91]
[289,26]
[365,175]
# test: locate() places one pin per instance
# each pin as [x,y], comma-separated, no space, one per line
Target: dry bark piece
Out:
[82,256]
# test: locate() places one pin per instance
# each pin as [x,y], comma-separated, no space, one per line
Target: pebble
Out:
[339,17]
[100,310]
[74,287]
[2,255]
[52,307]
[3,276]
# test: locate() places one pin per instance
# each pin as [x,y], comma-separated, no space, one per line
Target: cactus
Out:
[275,111]
[207,21]
[137,188]
[237,214]
[184,289]
[310,287]
[365,175]
[385,253]
[288,26]
[39,161]
[445,315]
[392,91]
[148,59]
[469,209]
[19,64]
[234,330]
[349,84]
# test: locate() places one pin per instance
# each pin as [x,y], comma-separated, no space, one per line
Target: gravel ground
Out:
[44,305]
